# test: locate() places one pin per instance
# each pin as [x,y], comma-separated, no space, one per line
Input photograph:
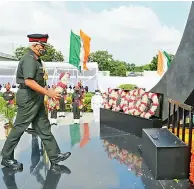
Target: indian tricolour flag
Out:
[164,61]
[79,50]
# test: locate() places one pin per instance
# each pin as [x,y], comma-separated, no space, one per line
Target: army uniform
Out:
[62,103]
[54,117]
[76,100]
[9,97]
[30,109]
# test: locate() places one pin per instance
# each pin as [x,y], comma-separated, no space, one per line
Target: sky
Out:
[131,31]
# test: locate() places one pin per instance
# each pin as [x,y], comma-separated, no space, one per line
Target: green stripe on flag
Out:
[75,50]
[75,134]
[168,58]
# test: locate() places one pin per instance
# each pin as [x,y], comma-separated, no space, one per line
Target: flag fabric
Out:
[164,61]
[75,134]
[86,135]
[79,50]
[75,52]
[86,47]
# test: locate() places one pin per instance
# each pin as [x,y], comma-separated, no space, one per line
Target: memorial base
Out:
[165,154]
[127,123]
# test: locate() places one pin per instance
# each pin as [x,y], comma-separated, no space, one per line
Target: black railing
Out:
[180,117]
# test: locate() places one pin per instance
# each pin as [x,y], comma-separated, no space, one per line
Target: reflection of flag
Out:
[75,134]
[86,46]
[86,135]
[164,61]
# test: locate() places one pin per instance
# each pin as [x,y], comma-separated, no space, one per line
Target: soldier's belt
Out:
[23,86]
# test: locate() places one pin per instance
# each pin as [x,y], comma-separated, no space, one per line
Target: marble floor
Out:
[102,158]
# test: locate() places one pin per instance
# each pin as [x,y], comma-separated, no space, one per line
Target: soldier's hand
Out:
[53,94]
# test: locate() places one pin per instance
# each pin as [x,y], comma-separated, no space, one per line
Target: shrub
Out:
[127,86]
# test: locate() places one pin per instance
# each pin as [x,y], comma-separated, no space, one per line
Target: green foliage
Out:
[127,86]
[52,54]
[106,62]
[87,102]
[7,111]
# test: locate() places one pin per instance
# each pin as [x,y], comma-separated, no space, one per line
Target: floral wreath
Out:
[153,107]
[116,107]
[141,103]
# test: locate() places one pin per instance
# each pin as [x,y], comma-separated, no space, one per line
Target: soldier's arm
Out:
[29,72]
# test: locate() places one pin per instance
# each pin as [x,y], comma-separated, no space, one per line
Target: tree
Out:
[103,58]
[52,54]
[117,68]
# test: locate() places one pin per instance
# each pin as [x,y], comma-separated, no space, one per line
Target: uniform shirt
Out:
[30,67]
[76,97]
[9,96]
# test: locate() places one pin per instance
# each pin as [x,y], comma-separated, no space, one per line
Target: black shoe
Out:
[14,164]
[60,169]
[10,171]
[60,157]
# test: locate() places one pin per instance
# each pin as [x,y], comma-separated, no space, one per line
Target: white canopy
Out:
[8,71]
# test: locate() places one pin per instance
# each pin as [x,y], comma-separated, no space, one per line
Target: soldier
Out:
[62,103]
[81,91]
[76,101]
[8,95]
[30,103]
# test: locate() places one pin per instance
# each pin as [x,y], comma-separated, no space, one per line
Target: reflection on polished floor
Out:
[101,159]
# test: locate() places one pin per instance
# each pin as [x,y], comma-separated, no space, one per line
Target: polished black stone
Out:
[101,159]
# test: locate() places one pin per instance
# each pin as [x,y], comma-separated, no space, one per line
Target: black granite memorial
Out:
[128,123]
[165,154]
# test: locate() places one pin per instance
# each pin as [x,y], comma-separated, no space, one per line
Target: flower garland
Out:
[61,85]
[135,102]
[141,103]
[116,107]
[133,162]
[124,102]
[105,103]
[113,98]
[153,107]
[191,177]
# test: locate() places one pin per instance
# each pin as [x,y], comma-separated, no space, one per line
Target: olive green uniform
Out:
[62,104]
[30,108]
[76,98]
[8,96]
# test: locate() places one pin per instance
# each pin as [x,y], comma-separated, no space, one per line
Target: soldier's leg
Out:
[25,115]
[23,120]
[74,110]
[43,129]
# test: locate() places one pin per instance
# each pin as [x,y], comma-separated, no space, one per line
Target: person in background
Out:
[86,89]
[62,103]
[76,101]
[96,104]
[8,95]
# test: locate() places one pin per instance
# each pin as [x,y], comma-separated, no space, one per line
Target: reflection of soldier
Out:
[54,174]
[62,103]
[76,100]
[36,164]
[9,177]
[30,102]
[52,178]
[9,95]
